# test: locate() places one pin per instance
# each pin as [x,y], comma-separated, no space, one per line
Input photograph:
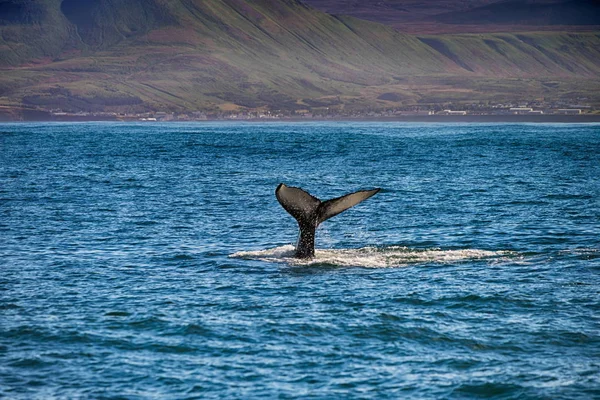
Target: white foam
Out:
[373,257]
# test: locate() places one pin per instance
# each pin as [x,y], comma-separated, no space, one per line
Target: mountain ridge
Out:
[280,54]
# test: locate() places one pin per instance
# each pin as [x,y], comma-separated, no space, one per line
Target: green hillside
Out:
[134,55]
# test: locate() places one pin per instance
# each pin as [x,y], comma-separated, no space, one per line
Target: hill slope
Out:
[129,55]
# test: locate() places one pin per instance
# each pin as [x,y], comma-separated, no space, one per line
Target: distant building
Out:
[569,111]
[450,112]
[414,113]
[521,110]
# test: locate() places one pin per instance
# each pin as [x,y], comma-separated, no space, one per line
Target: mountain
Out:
[182,55]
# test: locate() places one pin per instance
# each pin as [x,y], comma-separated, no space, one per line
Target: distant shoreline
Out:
[549,118]
[466,118]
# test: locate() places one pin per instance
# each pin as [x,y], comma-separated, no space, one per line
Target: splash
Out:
[373,257]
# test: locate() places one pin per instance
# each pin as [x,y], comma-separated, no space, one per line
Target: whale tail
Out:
[310,212]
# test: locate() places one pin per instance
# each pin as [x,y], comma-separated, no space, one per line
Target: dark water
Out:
[153,261]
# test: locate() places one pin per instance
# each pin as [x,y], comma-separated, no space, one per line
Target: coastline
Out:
[547,118]
[467,118]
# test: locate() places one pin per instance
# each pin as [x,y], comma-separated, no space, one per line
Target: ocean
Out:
[147,260]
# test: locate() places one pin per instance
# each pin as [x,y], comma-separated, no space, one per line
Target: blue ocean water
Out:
[153,261]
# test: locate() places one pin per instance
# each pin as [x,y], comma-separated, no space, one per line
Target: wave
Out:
[373,257]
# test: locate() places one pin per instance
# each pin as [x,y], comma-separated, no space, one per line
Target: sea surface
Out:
[153,261]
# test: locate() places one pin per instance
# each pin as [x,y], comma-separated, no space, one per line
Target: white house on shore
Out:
[450,112]
[521,110]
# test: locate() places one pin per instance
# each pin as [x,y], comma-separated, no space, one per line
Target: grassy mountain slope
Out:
[526,54]
[208,54]
[32,30]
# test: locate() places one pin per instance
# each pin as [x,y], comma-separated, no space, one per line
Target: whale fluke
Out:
[309,212]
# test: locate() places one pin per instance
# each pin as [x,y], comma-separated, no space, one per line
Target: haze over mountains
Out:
[529,12]
[452,16]
[185,55]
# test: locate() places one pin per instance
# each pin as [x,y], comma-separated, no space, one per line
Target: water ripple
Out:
[153,261]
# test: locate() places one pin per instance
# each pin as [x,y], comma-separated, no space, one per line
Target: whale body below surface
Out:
[310,212]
